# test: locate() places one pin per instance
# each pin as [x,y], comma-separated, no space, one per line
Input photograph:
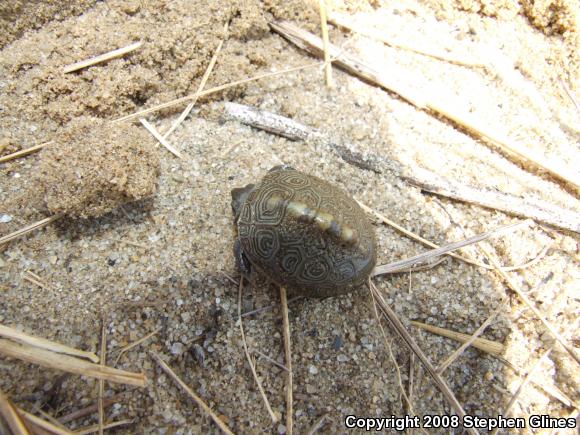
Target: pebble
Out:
[342,358]
[5,218]
[281,429]
[177,348]
[313,370]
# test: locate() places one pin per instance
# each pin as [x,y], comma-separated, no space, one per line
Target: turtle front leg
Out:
[241,260]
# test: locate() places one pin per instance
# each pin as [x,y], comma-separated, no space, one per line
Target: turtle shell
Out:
[306,234]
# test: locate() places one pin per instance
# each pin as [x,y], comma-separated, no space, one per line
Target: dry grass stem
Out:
[516,288]
[325,43]
[35,279]
[29,228]
[408,92]
[94,428]
[249,358]
[103,362]
[506,412]
[202,84]
[11,416]
[43,424]
[134,344]
[346,22]
[536,209]
[198,400]
[160,138]
[213,91]
[288,353]
[90,409]
[24,152]
[43,343]
[406,337]
[471,340]
[102,58]
[272,360]
[488,346]
[69,364]
[397,266]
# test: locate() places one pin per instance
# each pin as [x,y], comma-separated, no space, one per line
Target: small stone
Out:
[313,370]
[310,389]
[52,259]
[342,358]
[177,348]
[489,376]
[281,429]
[337,343]
[5,218]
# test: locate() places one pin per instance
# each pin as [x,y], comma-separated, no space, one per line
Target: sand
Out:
[163,261]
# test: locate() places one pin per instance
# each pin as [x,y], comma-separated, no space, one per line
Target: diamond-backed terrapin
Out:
[303,233]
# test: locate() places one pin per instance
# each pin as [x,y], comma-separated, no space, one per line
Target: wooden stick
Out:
[202,84]
[160,138]
[354,66]
[287,351]
[70,364]
[43,424]
[102,58]
[24,152]
[43,343]
[406,337]
[397,266]
[212,91]
[29,228]
[270,122]
[11,416]
[249,358]
[491,347]
[325,43]
[198,400]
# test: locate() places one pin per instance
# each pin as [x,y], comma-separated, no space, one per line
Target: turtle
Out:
[303,233]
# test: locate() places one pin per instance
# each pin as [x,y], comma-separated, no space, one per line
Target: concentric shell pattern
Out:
[306,234]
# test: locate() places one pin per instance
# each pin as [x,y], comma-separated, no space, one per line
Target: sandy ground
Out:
[162,262]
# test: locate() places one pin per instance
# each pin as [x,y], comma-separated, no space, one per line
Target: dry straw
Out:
[69,364]
[102,58]
[288,353]
[273,416]
[488,346]
[42,343]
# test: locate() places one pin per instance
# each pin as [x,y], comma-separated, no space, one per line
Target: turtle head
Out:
[239,196]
